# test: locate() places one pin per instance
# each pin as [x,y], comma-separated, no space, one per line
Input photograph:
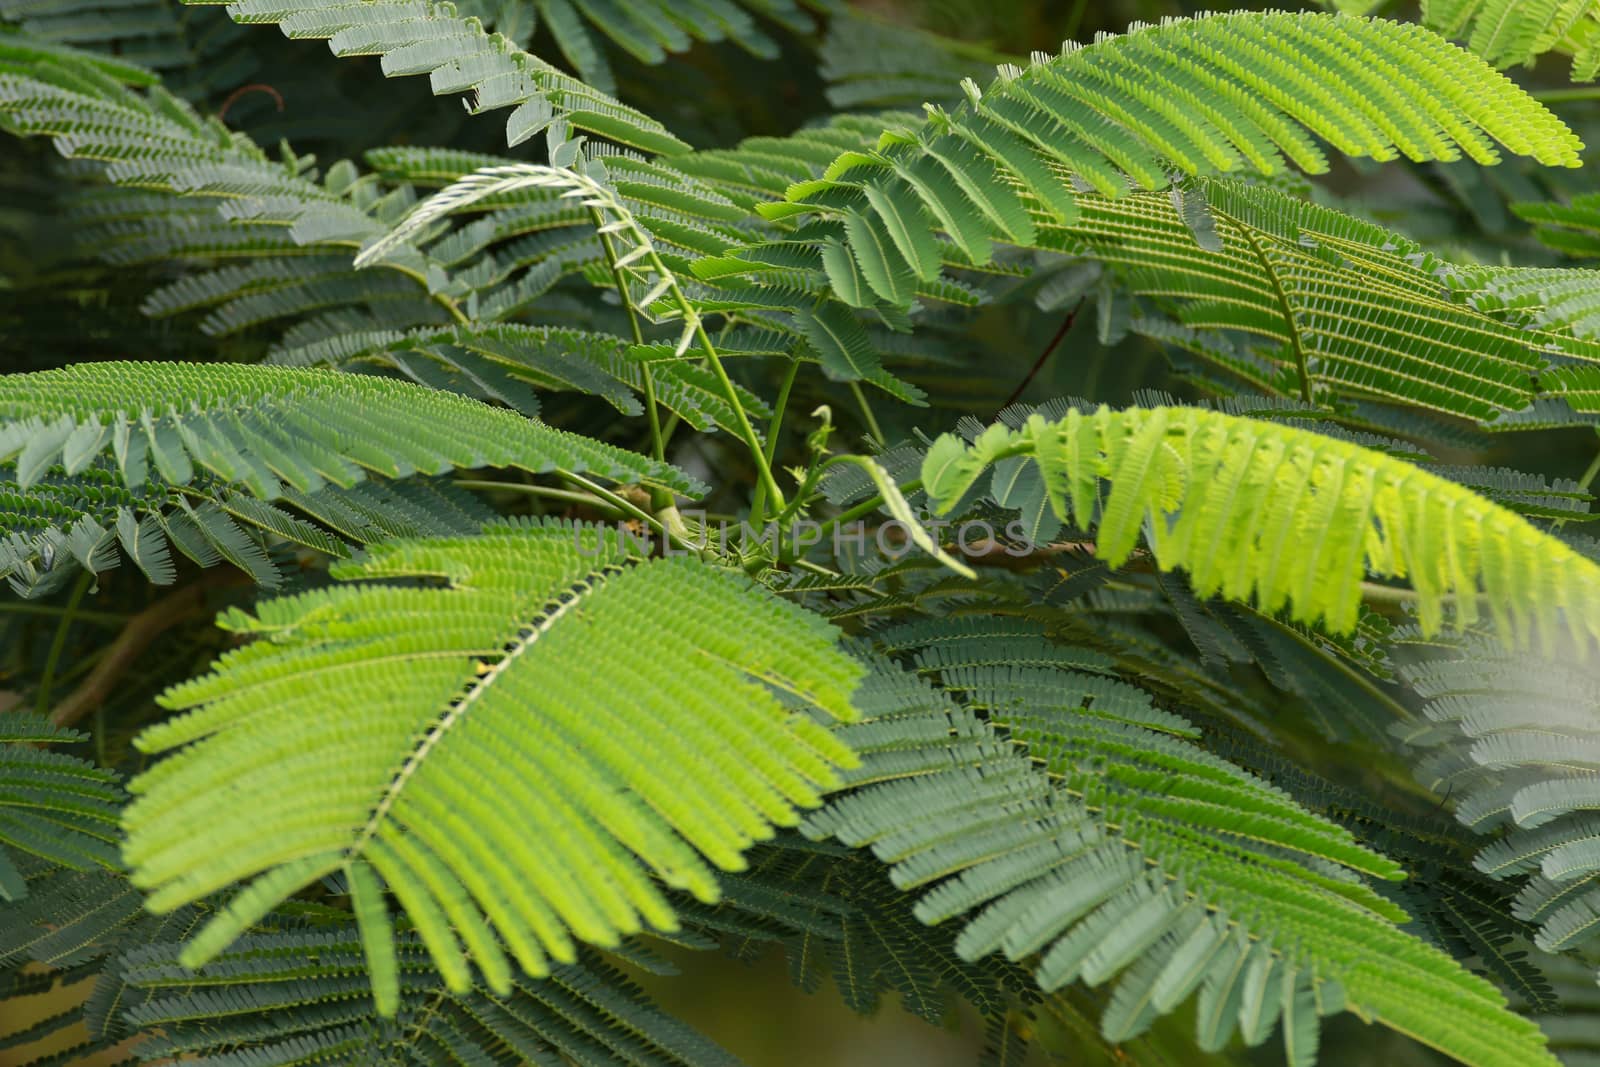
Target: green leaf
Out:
[884,268]
[1332,512]
[899,212]
[841,343]
[639,747]
[307,427]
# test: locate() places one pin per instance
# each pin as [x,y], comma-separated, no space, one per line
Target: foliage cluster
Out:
[385,684]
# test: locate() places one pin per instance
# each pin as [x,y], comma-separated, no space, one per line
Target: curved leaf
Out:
[538,745]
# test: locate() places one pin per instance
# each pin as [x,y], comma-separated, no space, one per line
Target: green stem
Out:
[865,508]
[671,427]
[694,331]
[658,444]
[1587,479]
[866,412]
[1301,365]
[1074,20]
[815,568]
[1394,594]
[629,509]
[746,431]
[59,643]
[539,490]
[758,503]
[98,618]
[694,328]
[1594,469]
[438,298]
[1557,96]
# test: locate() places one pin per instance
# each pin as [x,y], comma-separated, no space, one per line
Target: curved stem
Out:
[438,298]
[59,643]
[1038,364]
[865,508]
[658,446]
[1589,475]
[603,201]
[758,503]
[1301,363]
[866,412]
[746,431]
[98,618]
[631,510]
[696,331]
[541,491]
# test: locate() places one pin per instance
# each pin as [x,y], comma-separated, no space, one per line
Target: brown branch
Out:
[136,637]
[1038,364]
[253,87]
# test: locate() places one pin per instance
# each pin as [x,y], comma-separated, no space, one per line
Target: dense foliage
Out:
[1088,542]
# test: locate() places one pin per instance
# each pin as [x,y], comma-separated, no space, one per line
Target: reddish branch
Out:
[1038,364]
[253,87]
[136,637]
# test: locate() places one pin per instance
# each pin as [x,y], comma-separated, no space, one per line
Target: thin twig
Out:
[253,87]
[758,502]
[1038,364]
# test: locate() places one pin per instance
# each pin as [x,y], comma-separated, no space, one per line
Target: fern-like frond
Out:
[225,199]
[71,932]
[52,805]
[1572,228]
[1291,518]
[632,700]
[1226,93]
[268,428]
[1277,298]
[274,241]
[504,360]
[199,52]
[1299,304]
[459,56]
[297,997]
[152,457]
[1559,302]
[837,915]
[1451,904]
[75,918]
[63,521]
[1512,32]
[19,50]
[1574,1036]
[1103,852]
[1296,280]
[1532,495]
[648,30]
[1518,750]
[869,63]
